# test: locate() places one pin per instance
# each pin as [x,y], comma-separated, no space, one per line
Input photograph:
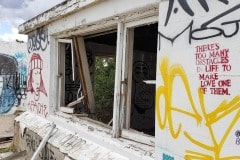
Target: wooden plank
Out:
[16,156]
[79,100]
[150,81]
[118,75]
[83,66]
[5,139]
[61,73]
[67,110]
[129,55]
[101,49]
[138,137]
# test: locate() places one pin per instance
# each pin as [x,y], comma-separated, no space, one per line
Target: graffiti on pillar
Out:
[38,72]
[12,81]
[36,85]
[197,92]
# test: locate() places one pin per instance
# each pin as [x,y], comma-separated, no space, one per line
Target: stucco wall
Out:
[13,75]
[38,63]
[197,101]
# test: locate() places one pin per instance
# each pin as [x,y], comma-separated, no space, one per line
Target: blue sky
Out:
[15,12]
[5,28]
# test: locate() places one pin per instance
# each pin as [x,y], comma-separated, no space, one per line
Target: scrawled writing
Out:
[38,108]
[32,143]
[186,7]
[38,41]
[205,30]
[237,134]
[210,60]
[72,141]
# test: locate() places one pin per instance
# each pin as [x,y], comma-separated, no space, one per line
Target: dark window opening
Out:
[144,70]
[73,88]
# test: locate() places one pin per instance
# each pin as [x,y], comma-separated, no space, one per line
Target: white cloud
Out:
[13,36]
[14,14]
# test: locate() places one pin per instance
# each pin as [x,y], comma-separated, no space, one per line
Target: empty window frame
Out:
[140,74]
[142,116]
[70,88]
[100,56]
[101,51]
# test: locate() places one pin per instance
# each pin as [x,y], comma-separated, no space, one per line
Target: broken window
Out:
[140,114]
[86,80]
[90,71]
[70,88]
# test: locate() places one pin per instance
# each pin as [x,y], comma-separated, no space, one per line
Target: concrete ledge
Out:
[74,139]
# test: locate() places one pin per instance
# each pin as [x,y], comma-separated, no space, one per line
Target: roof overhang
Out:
[61,10]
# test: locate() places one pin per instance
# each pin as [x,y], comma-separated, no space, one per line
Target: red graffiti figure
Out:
[35,82]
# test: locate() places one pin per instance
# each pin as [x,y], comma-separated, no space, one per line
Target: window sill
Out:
[101,134]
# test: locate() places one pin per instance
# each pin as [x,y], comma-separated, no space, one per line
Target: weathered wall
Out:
[13,73]
[63,144]
[38,63]
[80,9]
[197,101]
[30,141]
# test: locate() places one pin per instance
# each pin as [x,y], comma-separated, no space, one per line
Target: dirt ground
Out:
[6,125]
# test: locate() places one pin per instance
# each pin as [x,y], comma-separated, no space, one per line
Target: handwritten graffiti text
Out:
[38,108]
[38,41]
[210,60]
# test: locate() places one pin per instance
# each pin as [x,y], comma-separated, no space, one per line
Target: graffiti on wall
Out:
[38,40]
[214,27]
[211,60]
[12,81]
[35,80]
[142,110]
[37,71]
[32,143]
[197,97]
[224,109]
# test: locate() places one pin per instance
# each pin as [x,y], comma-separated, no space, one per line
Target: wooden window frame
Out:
[126,131]
[123,84]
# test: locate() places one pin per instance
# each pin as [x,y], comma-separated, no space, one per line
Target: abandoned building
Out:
[132,79]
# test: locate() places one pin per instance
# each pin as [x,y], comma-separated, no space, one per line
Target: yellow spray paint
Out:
[164,97]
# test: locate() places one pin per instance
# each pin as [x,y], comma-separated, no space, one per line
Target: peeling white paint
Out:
[90,147]
[64,15]
[63,9]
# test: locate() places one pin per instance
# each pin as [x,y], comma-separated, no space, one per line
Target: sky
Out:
[15,12]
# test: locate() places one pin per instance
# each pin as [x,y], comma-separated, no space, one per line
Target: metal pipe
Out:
[43,142]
